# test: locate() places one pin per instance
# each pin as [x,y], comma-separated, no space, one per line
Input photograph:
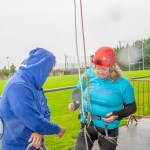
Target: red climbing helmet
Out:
[105,56]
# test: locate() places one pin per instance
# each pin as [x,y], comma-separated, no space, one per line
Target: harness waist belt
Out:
[97,117]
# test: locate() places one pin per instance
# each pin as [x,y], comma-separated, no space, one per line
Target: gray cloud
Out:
[26,24]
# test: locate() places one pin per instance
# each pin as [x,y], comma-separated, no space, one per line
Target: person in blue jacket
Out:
[107,98]
[23,107]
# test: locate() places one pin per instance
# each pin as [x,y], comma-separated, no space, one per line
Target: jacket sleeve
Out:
[81,86]
[23,104]
[76,97]
[126,111]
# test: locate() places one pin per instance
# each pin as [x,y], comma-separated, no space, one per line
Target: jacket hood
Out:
[38,66]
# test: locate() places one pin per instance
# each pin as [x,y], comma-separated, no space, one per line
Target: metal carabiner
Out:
[40,148]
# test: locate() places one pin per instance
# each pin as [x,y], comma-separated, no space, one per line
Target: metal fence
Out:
[142,96]
[141,90]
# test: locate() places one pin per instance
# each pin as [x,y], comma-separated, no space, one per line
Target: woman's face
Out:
[102,72]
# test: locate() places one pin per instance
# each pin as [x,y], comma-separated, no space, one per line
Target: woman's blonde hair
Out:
[115,72]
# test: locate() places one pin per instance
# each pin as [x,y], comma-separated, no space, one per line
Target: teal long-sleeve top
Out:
[105,97]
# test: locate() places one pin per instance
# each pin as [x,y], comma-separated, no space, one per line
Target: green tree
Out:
[5,71]
[146,49]
[12,69]
[138,45]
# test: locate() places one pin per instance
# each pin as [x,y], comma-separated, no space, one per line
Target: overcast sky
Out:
[27,24]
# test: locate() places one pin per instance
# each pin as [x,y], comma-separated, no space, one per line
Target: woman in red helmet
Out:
[107,98]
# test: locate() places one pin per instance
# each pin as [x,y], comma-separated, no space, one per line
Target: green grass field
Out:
[59,100]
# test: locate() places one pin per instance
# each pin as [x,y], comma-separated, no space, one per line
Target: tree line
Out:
[143,45]
[139,46]
[5,72]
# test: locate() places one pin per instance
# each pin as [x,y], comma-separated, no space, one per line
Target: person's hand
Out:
[71,107]
[35,140]
[61,133]
[110,118]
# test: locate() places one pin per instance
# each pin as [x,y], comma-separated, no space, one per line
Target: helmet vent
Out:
[98,62]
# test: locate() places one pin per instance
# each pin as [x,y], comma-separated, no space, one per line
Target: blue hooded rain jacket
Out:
[23,105]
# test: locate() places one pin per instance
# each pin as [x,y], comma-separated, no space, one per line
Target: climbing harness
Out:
[111,139]
[40,148]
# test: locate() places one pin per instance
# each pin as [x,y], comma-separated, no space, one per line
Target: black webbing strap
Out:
[106,124]
[113,140]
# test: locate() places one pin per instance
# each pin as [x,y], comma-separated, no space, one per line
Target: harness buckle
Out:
[97,117]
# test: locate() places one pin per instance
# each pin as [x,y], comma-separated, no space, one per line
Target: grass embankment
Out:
[59,100]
